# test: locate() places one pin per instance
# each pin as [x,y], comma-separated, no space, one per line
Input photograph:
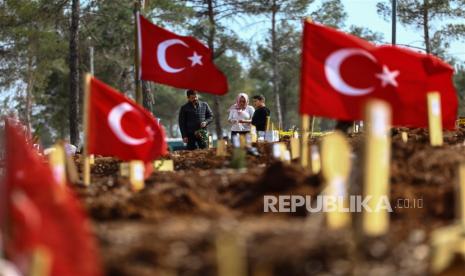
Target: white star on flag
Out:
[388,77]
[196,59]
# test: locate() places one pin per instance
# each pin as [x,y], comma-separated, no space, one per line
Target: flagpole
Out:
[394,19]
[137,53]
[85,119]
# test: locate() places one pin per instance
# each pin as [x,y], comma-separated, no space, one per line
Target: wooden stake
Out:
[305,121]
[285,154]
[253,134]
[460,200]
[336,165]
[404,136]
[376,167]
[230,255]
[71,170]
[41,262]
[446,242]
[124,169]
[85,114]
[91,159]
[58,164]
[312,127]
[210,142]
[136,175]
[295,148]
[315,160]
[435,119]
[163,165]
[221,147]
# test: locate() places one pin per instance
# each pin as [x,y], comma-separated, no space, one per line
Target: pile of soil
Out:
[173,225]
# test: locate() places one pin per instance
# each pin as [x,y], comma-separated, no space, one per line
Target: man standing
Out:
[194,118]
[260,114]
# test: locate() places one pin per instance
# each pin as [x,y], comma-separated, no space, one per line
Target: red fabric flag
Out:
[42,214]
[121,128]
[179,61]
[340,72]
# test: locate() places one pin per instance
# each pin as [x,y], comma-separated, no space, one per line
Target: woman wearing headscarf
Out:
[240,115]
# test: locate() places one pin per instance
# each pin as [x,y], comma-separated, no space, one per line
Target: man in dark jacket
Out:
[194,118]
[261,112]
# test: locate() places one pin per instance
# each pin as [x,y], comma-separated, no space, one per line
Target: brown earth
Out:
[171,227]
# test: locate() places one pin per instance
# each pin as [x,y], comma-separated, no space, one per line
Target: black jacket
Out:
[191,116]
[259,118]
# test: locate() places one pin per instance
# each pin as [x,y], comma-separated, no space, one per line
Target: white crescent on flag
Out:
[161,55]
[114,121]
[333,71]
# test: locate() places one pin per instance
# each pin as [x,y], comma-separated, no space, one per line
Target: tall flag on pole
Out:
[178,61]
[44,219]
[118,127]
[340,72]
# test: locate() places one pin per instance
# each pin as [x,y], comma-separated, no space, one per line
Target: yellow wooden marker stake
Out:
[210,142]
[41,262]
[305,122]
[404,136]
[446,242]
[435,119]
[230,255]
[124,169]
[315,160]
[376,168]
[253,134]
[278,151]
[285,154]
[92,159]
[312,126]
[336,164]
[461,198]
[85,156]
[71,170]
[450,240]
[58,164]
[136,175]
[163,165]
[295,148]
[221,147]
[242,141]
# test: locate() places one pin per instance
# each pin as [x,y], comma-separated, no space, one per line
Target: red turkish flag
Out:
[43,214]
[340,72]
[179,61]
[121,128]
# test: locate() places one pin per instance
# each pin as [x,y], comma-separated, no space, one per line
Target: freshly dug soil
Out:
[171,227]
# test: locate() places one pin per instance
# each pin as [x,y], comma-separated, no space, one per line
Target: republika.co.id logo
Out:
[327,203]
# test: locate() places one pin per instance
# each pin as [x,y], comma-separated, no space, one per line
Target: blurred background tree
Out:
[35,52]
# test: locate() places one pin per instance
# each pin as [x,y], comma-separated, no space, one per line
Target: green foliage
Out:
[331,13]
[366,34]
[439,20]
[34,49]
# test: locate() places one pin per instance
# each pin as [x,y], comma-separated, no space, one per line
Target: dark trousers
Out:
[239,133]
[194,143]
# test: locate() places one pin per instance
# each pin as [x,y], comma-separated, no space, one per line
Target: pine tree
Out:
[435,18]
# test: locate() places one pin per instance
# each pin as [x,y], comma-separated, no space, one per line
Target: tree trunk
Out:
[74,73]
[274,11]
[211,45]
[426,26]
[147,97]
[30,85]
